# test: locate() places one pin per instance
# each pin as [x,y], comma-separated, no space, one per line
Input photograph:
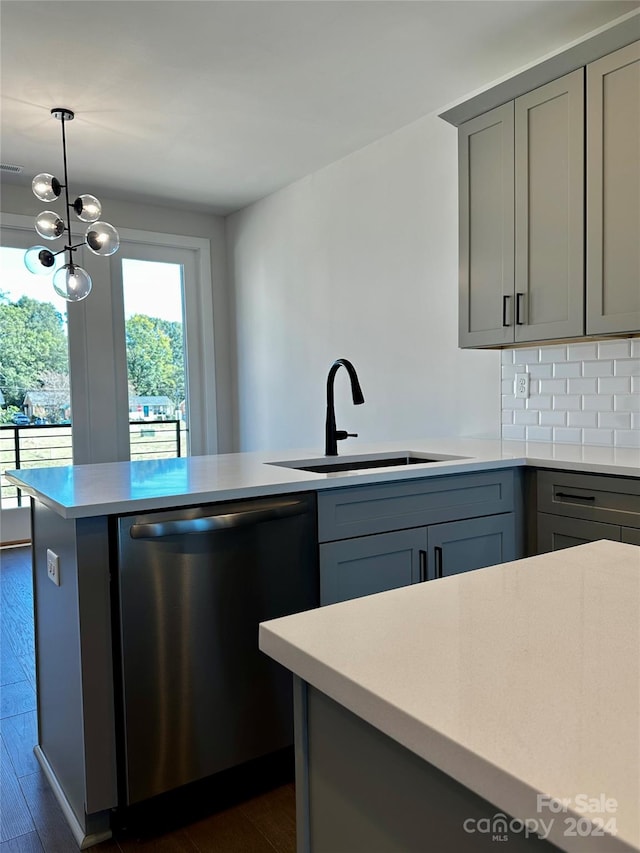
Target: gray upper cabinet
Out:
[613,192]
[485,160]
[521,190]
[549,211]
[525,229]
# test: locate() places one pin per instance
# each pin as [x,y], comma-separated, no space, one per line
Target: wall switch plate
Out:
[522,385]
[53,567]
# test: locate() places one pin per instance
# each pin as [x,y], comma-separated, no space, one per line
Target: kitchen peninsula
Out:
[76,513]
[499,705]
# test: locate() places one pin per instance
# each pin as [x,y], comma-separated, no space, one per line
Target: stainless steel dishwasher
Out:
[198,696]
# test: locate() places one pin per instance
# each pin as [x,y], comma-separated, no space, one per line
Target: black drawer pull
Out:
[423,566]
[575,497]
[519,311]
[437,550]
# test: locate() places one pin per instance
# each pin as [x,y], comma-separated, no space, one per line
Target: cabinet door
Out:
[631,535]
[549,210]
[485,168]
[461,546]
[613,192]
[556,532]
[368,564]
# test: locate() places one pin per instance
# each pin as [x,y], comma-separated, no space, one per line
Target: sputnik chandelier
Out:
[70,281]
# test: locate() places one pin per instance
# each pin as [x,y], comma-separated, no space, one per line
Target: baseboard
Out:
[83,839]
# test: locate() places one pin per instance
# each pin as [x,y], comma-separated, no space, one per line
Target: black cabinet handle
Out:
[423,565]
[505,305]
[519,312]
[437,551]
[575,497]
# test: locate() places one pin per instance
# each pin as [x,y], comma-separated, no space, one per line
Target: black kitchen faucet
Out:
[332,435]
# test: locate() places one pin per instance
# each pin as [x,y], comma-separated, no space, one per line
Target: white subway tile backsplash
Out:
[627,367]
[526,418]
[614,385]
[567,369]
[553,354]
[582,419]
[582,352]
[582,386]
[613,420]
[527,356]
[567,402]
[540,402]
[553,418]
[627,438]
[597,403]
[627,403]
[572,436]
[597,368]
[553,386]
[541,371]
[511,402]
[538,433]
[580,393]
[597,436]
[614,349]
[513,431]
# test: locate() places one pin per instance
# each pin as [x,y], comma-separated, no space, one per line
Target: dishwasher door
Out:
[198,696]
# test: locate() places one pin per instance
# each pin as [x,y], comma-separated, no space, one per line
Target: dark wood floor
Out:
[31,820]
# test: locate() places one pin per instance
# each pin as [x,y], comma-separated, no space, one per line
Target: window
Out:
[153,294]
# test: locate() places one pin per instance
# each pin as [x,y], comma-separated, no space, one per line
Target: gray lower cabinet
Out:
[577,508]
[376,538]
[557,531]
[631,535]
[370,564]
[474,543]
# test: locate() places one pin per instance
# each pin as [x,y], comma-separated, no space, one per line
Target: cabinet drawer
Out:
[557,532]
[612,500]
[362,510]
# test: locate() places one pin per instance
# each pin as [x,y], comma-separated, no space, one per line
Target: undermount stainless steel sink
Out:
[330,464]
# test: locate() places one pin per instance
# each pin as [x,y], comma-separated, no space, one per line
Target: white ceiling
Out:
[212,105]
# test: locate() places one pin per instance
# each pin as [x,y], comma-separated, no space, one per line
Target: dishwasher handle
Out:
[223,521]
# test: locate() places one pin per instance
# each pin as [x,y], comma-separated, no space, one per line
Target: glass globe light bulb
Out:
[102,238]
[49,225]
[72,283]
[39,260]
[46,187]
[87,207]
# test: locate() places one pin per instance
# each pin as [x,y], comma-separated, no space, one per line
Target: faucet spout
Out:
[332,435]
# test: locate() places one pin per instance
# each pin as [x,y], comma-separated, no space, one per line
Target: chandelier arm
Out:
[66,187]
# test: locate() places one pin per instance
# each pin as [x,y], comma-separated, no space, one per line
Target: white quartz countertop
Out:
[520,681]
[117,487]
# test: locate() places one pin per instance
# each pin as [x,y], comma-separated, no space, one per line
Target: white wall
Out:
[19,199]
[358,260]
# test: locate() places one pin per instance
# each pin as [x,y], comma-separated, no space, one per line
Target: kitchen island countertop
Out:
[519,681]
[118,487]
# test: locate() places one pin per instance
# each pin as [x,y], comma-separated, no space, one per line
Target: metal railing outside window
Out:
[46,445]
